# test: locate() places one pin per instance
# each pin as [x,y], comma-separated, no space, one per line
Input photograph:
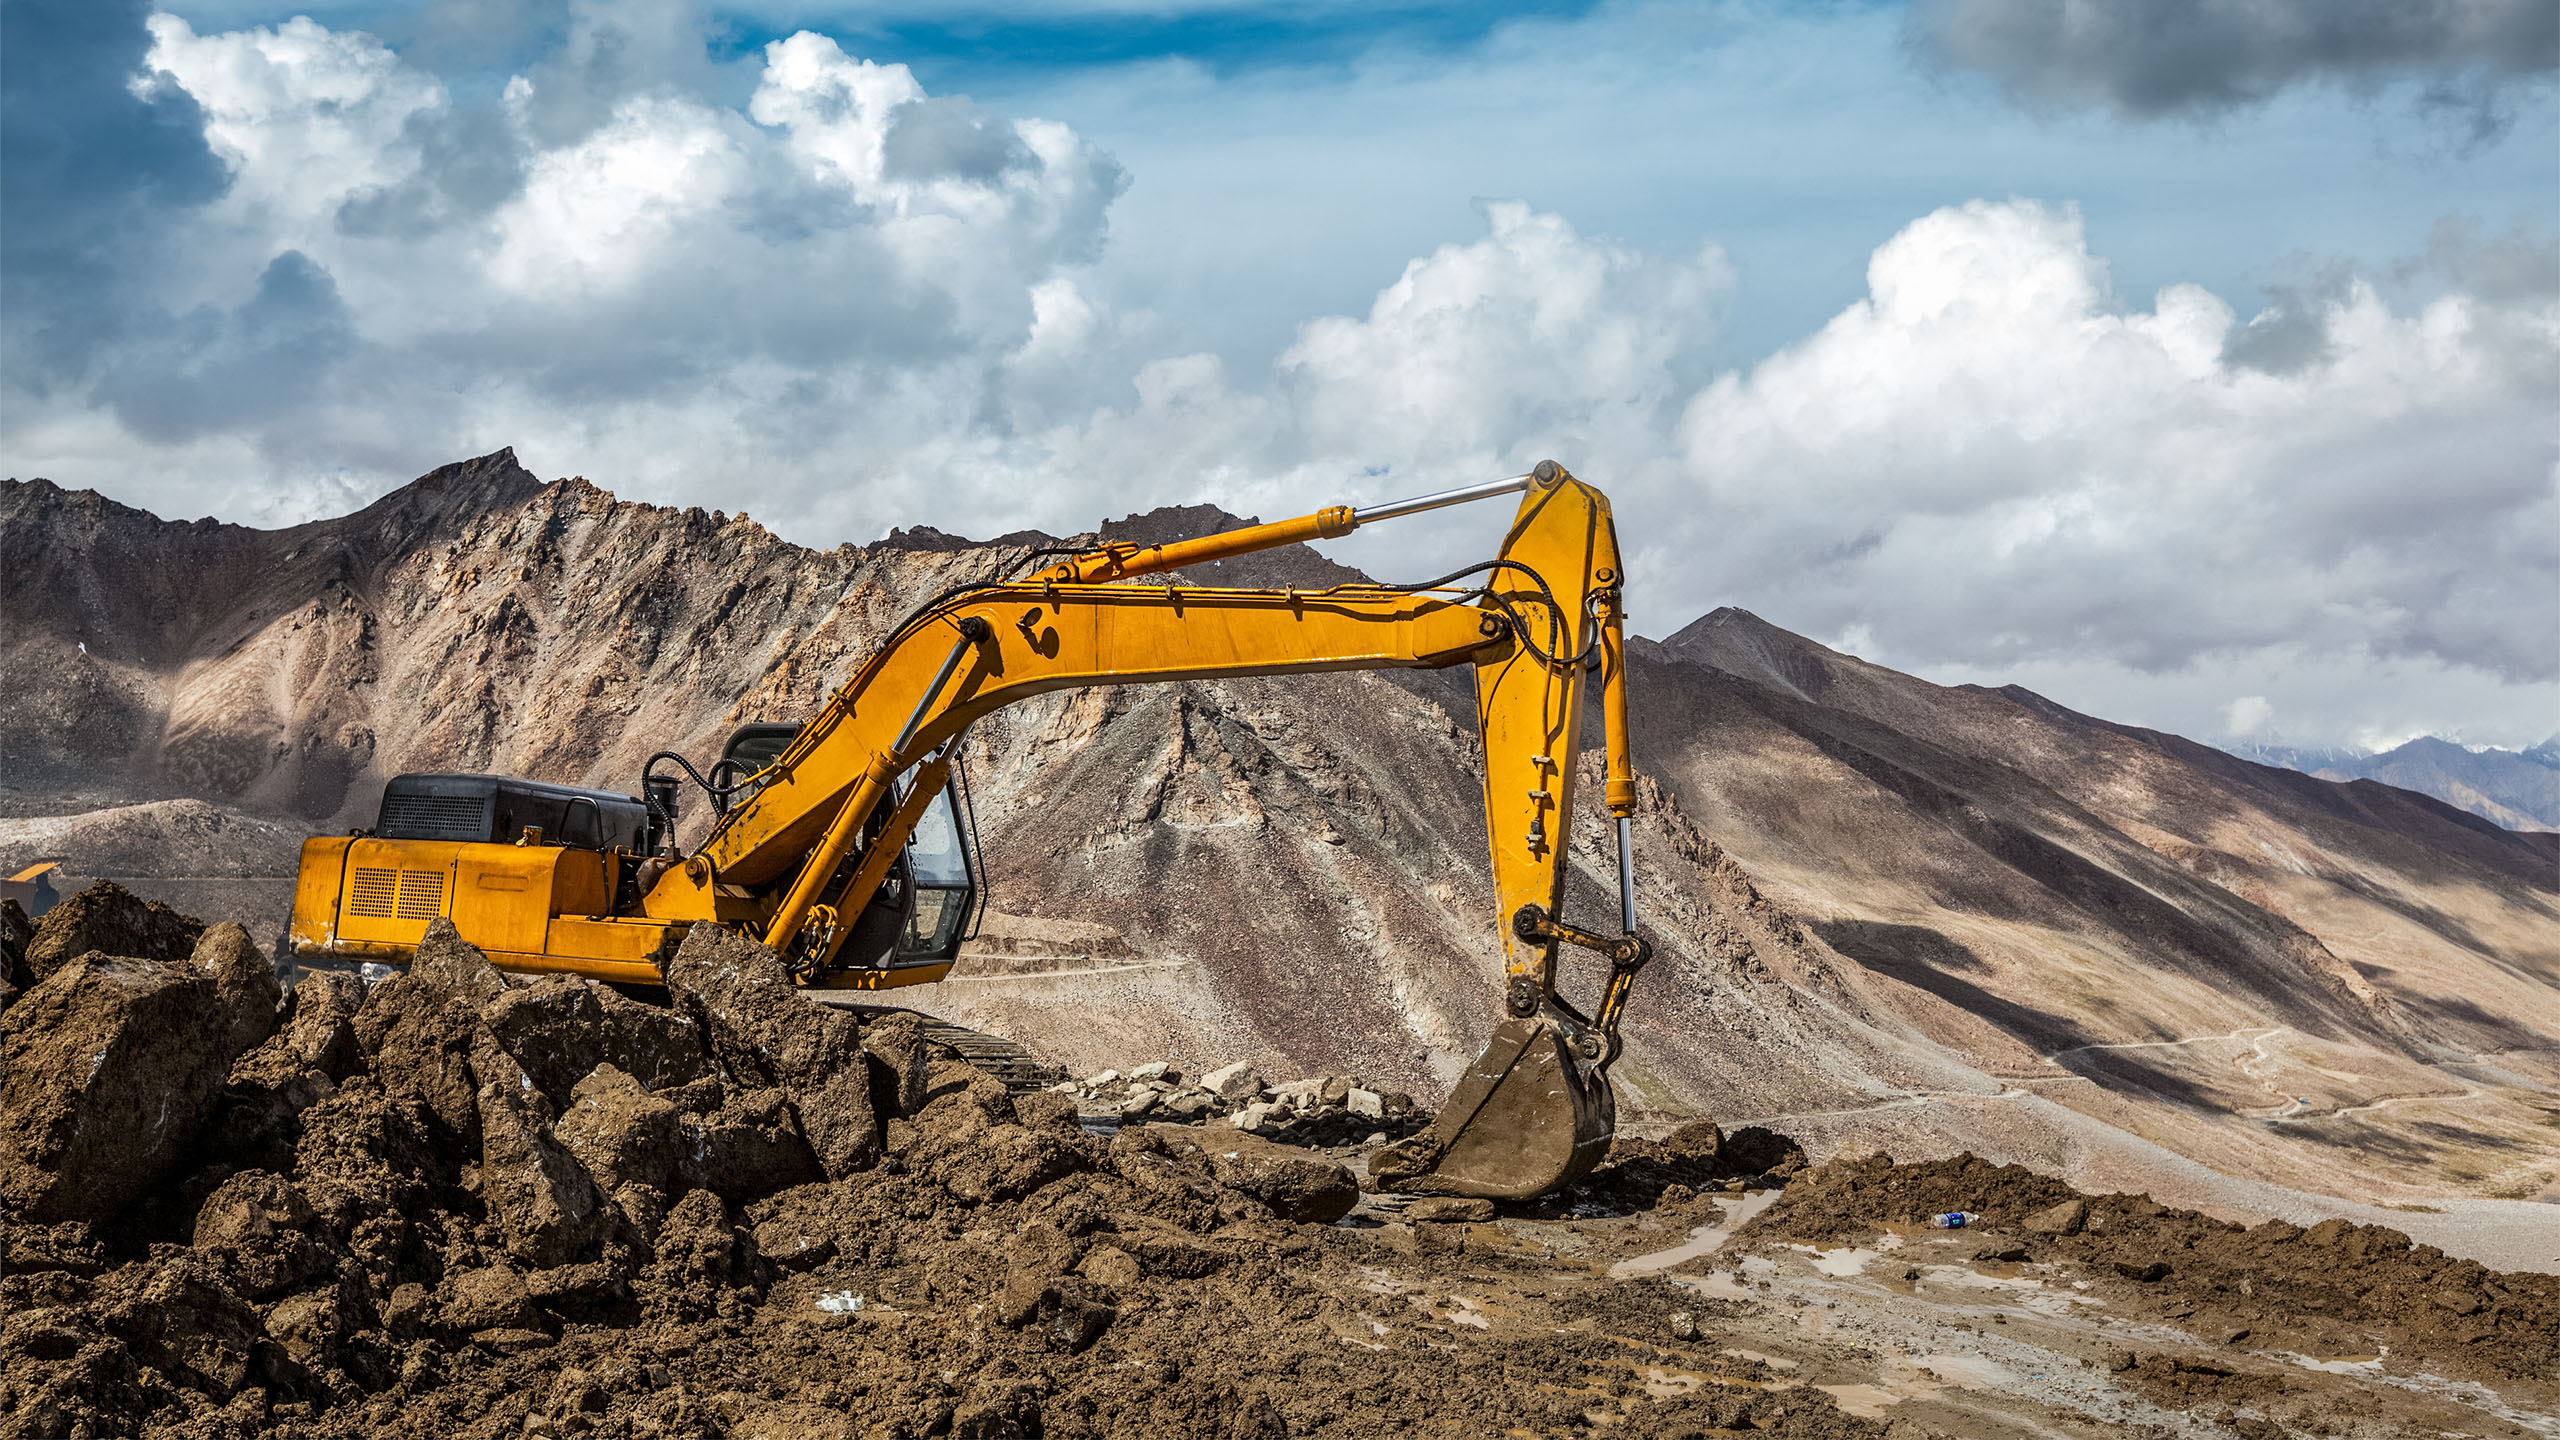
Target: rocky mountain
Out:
[1887,912]
[2519,789]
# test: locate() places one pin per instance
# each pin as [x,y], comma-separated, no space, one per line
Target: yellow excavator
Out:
[844,842]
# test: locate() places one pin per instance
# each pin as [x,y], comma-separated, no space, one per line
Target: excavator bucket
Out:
[1528,1116]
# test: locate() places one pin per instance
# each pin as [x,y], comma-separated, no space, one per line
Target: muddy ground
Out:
[460,1203]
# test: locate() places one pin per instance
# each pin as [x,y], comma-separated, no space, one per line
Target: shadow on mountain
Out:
[1921,957]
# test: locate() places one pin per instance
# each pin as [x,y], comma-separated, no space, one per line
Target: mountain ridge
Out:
[1888,912]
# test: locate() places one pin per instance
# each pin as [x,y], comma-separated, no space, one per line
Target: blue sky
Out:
[1839,300]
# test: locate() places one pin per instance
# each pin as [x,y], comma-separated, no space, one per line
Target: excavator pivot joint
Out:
[1522,998]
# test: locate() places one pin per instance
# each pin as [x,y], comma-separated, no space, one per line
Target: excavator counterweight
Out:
[843,842]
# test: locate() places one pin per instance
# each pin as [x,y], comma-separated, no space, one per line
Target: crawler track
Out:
[1018,1068]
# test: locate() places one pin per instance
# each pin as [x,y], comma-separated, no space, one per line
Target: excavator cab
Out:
[922,908]
[921,911]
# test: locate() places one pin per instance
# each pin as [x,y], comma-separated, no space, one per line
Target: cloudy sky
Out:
[2191,361]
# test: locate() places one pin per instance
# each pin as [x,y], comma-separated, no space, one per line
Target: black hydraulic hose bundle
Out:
[666,818]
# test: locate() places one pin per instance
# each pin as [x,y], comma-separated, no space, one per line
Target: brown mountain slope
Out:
[1888,910]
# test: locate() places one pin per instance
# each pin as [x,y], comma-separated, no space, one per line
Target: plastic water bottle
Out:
[1954,1219]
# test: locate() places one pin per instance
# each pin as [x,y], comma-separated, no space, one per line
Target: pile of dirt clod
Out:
[2335,1289]
[1674,1170]
[459,1204]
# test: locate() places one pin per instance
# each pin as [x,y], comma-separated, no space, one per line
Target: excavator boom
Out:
[807,842]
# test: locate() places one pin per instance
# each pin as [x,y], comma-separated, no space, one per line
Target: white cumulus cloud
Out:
[1992,459]
[845,302]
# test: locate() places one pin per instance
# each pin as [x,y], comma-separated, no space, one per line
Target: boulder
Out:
[764,1032]
[366,1154]
[751,1146]
[1238,1081]
[257,1226]
[185,1322]
[308,1326]
[492,1297]
[109,918]
[971,1139]
[900,1062]
[319,1023]
[1260,1115]
[1189,1104]
[454,966]
[543,1201]
[1294,1184]
[107,1070]
[561,1027]
[623,1134]
[1299,1094]
[552,1026]
[656,1045]
[244,982]
[417,1030]
[2063,1219]
[1364,1103]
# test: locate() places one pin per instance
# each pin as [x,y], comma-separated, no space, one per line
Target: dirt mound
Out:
[414,1213]
[2335,1289]
[1696,1157]
[108,918]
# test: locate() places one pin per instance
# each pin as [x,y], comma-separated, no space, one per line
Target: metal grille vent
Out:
[421,894]
[374,893]
[434,817]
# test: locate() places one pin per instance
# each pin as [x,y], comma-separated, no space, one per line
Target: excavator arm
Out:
[1535,1109]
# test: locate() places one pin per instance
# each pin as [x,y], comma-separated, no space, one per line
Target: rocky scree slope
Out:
[1874,897]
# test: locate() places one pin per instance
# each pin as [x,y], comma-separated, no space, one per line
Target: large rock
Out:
[900,1062]
[453,965]
[244,981]
[1295,1184]
[257,1226]
[319,1023]
[553,1026]
[750,1147]
[764,1032]
[107,1070]
[973,1143]
[543,1201]
[561,1027]
[298,1067]
[656,1045]
[183,1320]
[1239,1081]
[417,1030]
[368,1160]
[109,918]
[623,1134]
